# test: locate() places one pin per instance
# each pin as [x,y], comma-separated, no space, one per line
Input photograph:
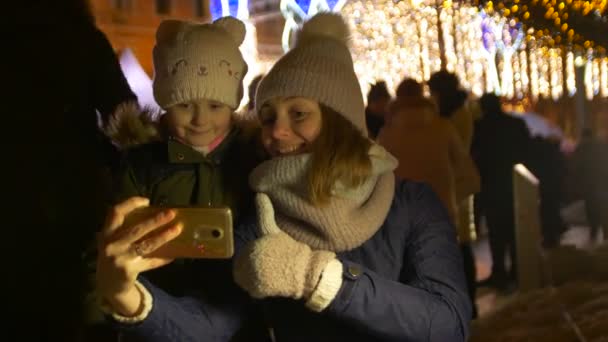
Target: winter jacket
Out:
[500,142]
[463,120]
[172,174]
[428,149]
[404,284]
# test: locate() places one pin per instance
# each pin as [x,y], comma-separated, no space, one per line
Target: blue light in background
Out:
[304,4]
[332,3]
[234,7]
[216,8]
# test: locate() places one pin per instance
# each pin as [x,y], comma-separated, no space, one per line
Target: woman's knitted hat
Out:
[196,61]
[319,67]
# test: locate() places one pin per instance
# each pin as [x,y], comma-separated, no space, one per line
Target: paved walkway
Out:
[488,300]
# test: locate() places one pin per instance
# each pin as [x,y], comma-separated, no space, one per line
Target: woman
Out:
[339,250]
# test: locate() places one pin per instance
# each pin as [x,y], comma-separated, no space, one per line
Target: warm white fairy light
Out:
[517,84]
[502,86]
[534,80]
[555,73]
[544,83]
[446,18]
[460,50]
[474,44]
[570,74]
[596,77]
[506,71]
[604,77]
[395,39]
[469,64]
[525,80]
[423,27]
[589,79]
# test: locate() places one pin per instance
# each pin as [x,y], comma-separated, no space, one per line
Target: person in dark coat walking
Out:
[339,250]
[500,141]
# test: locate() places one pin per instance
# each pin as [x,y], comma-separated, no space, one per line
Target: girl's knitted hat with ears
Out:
[319,67]
[199,61]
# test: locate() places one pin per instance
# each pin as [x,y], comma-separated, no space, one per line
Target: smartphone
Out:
[207,232]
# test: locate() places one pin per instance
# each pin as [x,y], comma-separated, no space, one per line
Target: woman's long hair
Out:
[340,152]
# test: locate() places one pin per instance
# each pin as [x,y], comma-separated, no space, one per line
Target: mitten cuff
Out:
[327,288]
[146,304]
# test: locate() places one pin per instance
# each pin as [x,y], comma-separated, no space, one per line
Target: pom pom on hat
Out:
[324,25]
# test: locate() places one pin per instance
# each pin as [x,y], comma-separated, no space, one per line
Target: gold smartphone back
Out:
[207,232]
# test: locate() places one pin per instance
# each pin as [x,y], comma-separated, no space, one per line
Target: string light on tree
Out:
[589,78]
[525,80]
[604,77]
[570,74]
[493,49]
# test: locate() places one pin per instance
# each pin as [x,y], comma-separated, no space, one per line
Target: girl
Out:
[339,250]
[199,154]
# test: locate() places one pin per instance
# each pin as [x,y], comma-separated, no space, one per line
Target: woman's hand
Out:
[122,253]
[276,265]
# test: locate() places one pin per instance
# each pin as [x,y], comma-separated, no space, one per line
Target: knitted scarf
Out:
[352,216]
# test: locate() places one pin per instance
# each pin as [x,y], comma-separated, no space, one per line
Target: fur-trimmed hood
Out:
[131,126]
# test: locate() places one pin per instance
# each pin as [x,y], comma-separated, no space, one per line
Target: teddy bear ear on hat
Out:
[234,27]
[168,30]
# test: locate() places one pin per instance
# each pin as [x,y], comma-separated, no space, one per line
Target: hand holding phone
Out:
[207,232]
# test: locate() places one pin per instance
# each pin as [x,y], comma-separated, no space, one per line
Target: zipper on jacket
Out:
[211,174]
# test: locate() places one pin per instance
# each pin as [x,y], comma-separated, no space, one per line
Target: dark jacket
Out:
[500,141]
[172,174]
[374,122]
[404,284]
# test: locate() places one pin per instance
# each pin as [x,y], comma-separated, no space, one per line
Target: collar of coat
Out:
[130,126]
[183,154]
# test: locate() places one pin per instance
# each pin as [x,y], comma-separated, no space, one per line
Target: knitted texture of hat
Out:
[199,61]
[319,67]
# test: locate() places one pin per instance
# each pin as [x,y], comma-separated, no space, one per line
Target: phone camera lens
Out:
[216,233]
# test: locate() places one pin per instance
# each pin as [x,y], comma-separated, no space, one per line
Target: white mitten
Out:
[276,265]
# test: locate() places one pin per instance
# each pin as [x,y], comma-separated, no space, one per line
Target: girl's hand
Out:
[122,253]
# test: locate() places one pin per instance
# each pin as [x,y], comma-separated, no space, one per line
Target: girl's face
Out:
[199,122]
[289,125]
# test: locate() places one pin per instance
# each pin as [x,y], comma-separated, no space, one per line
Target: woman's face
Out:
[289,125]
[199,122]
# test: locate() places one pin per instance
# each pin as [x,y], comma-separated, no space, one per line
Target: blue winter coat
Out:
[404,284]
